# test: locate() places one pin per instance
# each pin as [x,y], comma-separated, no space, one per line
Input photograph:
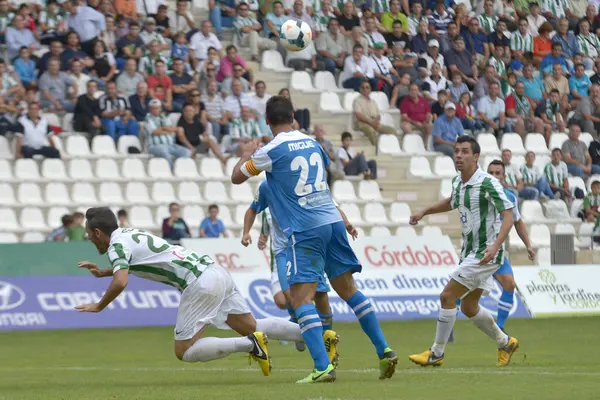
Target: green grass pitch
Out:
[558,359]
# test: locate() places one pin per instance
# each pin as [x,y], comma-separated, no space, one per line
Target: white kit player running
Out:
[208,294]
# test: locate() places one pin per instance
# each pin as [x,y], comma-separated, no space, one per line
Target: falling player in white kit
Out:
[209,295]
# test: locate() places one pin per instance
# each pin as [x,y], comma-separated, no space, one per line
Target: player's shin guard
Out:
[212,348]
[444,327]
[368,321]
[292,313]
[484,321]
[504,306]
[312,332]
[326,321]
[280,329]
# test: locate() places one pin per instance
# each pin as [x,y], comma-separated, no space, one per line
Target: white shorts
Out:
[275,285]
[208,301]
[474,276]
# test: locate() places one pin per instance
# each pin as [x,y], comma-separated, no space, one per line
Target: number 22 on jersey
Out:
[301,163]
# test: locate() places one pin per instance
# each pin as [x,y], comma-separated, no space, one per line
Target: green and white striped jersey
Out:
[381,6]
[321,21]
[487,23]
[591,201]
[556,174]
[556,7]
[479,202]
[241,22]
[589,44]
[512,175]
[530,175]
[498,65]
[245,130]
[519,42]
[6,20]
[150,257]
[148,64]
[51,21]
[152,123]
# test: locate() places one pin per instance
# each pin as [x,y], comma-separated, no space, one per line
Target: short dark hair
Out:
[468,139]
[67,219]
[443,91]
[556,44]
[555,91]
[595,183]
[260,82]
[557,149]
[159,62]
[103,219]
[346,135]
[213,206]
[279,111]
[133,23]
[397,22]
[78,214]
[121,213]
[357,46]
[496,162]
[162,7]
[173,204]
[229,48]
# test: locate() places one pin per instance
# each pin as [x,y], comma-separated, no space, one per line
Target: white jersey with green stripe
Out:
[479,202]
[150,257]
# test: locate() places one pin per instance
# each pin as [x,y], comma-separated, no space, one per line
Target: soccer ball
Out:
[295,35]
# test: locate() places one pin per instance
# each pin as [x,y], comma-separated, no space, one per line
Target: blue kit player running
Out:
[295,167]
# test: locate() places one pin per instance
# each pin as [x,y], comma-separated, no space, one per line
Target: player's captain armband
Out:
[119,264]
[249,169]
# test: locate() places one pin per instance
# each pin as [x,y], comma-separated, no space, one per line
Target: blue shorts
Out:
[321,250]
[505,268]
[281,261]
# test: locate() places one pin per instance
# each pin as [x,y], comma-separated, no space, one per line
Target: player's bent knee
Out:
[243,324]
[448,299]
[344,285]
[280,301]
[469,309]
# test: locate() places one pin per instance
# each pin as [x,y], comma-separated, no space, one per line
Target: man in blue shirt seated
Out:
[579,85]
[534,88]
[555,57]
[446,130]
[211,226]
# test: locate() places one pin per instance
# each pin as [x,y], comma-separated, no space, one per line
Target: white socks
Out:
[484,321]
[444,327]
[280,329]
[212,348]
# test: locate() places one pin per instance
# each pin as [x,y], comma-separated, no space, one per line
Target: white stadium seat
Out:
[107,170]
[531,211]
[57,193]
[30,194]
[193,215]
[302,81]
[174,118]
[215,192]
[55,215]
[7,195]
[32,218]
[141,217]
[110,194]
[231,162]
[349,98]
[80,170]
[557,210]
[272,60]
[189,193]
[8,237]
[541,161]
[137,193]
[26,170]
[160,213]
[53,169]
[513,142]
[585,234]
[565,229]
[225,216]
[330,102]
[352,213]
[186,168]
[576,182]
[6,171]
[514,240]
[5,149]
[389,144]
[518,160]
[537,143]
[420,168]
[32,237]
[375,214]
[240,212]
[446,188]
[400,213]
[413,144]
[387,119]
[540,235]
[325,82]
[586,138]
[431,231]
[83,193]
[369,191]
[406,231]
[58,143]
[52,119]
[67,123]
[576,206]
[488,144]
[384,103]
[163,193]
[127,141]
[133,169]
[241,193]
[8,219]
[211,168]
[158,168]
[343,191]
[444,167]
[484,162]
[380,231]
[556,140]
[78,147]
[104,145]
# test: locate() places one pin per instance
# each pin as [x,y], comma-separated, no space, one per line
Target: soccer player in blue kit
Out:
[295,167]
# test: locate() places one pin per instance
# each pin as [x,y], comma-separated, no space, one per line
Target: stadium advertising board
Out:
[560,290]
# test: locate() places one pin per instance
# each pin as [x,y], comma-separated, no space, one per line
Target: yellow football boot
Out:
[331,340]
[505,353]
[260,352]
[426,359]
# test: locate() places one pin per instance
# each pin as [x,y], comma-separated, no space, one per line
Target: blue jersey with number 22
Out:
[295,166]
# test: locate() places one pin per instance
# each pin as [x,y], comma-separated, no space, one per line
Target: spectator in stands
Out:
[577,157]
[174,227]
[52,23]
[420,42]
[222,14]
[149,34]
[76,232]
[534,182]
[56,49]
[460,62]
[514,179]
[467,114]
[371,33]
[588,43]
[181,50]
[415,18]
[434,84]
[433,56]
[72,53]
[554,11]
[557,176]
[357,37]
[54,85]
[322,17]
[226,65]
[180,19]
[8,112]
[534,88]
[569,47]
[327,146]
[87,22]
[542,44]
[197,138]
[397,37]
[416,114]
[247,28]
[579,85]
[161,134]
[492,111]
[367,115]
[104,65]
[232,107]
[304,59]
[301,115]
[488,18]
[87,112]
[591,202]
[357,69]
[212,226]
[331,46]
[128,80]
[393,14]
[34,136]
[162,18]
[79,77]
[274,20]
[383,70]
[109,36]
[140,102]
[498,38]
[238,73]
[520,113]
[475,39]
[25,68]
[204,39]
[521,41]
[60,234]
[160,86]
[446,129]
[550,112]
[535,19]
[349,20]
[482,88]
[590,18]
[587,112]
[243,130]
[182,85]
[214,105]
[129,46]
[123,219]
[147,64]
[117,118]
[258,104]
[18,36]
[208,72]
[496,62]
[353,163]
[558,82]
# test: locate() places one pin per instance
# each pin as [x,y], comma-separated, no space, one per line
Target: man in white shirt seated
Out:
[79,77]
[34,136]
[201,41]
[357,69]
[383,69]
[353,163]
[180,19]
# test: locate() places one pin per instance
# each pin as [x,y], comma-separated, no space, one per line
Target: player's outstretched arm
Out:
[249,219]
[245,168]
[117,285]
[94,270]
[521,229]
[507,223]
[439,207]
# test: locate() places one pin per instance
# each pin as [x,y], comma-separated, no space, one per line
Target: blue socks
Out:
[292,313]
[312,332]
[368,321]
[505,304]
[326,321]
